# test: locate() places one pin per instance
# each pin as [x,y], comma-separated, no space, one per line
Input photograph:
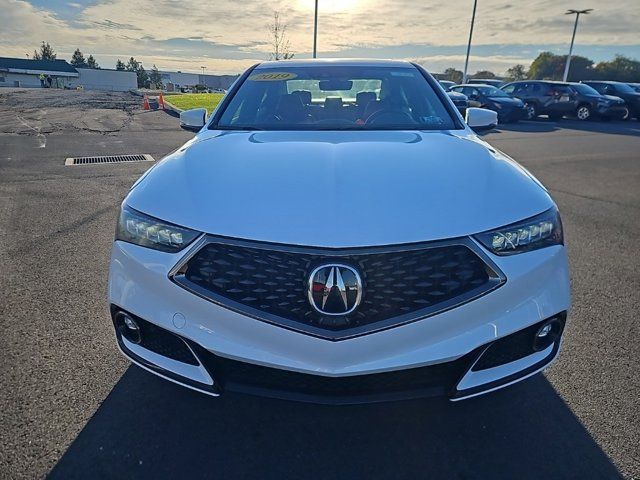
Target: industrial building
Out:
[178,80]
[23,72]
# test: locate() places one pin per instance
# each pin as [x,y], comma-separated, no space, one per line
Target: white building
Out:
[22,72]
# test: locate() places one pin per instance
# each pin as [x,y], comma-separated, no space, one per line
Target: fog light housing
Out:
[128,327]
[547,334]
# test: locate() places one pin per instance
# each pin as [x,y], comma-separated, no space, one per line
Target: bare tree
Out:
[279,40]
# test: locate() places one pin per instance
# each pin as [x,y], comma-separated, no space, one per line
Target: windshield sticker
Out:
[272,77]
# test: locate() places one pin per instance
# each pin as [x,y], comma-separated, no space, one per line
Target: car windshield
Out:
[492,91]
[584,89]
[335,97]
[623,88]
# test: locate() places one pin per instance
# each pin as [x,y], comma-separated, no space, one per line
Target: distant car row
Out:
[528,99]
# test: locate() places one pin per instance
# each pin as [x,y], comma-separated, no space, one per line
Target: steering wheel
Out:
[389,116]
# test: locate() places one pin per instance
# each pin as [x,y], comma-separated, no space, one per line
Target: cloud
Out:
[225,34]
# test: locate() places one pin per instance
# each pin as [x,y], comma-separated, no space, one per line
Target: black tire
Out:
[584,113]
[531,111]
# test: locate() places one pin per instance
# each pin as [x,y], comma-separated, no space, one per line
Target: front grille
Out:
[399,285]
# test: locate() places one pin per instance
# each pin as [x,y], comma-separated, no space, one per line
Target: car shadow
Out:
[148,428]
[545,125]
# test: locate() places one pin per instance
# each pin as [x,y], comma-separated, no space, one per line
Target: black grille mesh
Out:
[395,283]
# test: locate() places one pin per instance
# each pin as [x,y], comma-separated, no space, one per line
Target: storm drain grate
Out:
[108,159]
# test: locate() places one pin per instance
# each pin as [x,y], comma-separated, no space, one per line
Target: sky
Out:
[228,36]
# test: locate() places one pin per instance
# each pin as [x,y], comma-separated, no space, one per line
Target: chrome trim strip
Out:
[512,382]
[497,279]
[196,373]
[474,379]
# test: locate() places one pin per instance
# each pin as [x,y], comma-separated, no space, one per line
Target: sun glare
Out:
[329,6]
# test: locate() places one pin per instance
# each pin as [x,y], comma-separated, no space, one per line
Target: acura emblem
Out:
[334,289]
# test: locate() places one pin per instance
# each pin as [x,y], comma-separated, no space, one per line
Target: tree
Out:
[517,72]
[91,62]
[621,68]
[155,79]
[452,75]
[548,66]
[279,40]
[45,53]
[77,59]
[120,65]
[135,66]
[483,74]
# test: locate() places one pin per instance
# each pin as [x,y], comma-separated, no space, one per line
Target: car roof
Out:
[599,81]
[350,62]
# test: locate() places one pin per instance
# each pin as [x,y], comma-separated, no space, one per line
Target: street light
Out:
[202,67]
[575,27]
[315,30]
[466,62]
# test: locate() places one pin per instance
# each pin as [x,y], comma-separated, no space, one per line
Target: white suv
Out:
[336,233]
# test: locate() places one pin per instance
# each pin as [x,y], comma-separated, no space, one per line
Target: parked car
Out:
[619,89]
[486,81]
[590,104]
[543,97]
[318,249]
[446,84]
[509,109]
[460,101]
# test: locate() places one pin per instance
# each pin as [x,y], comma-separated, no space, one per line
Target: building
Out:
[181,80]
[23,72]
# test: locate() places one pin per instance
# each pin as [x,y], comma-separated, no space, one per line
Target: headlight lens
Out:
[537,232]
[140,229]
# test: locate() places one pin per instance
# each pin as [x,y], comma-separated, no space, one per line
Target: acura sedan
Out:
[336,233]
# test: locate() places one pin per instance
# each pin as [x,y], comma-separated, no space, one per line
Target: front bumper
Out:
[432,356]
[613,111]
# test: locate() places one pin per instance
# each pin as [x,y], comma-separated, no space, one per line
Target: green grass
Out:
[195,100]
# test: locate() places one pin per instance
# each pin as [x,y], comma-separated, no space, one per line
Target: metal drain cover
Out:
[108,159]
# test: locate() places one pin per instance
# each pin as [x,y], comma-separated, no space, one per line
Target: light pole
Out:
[203,67]
[315,31]
[573,37]
[466,62]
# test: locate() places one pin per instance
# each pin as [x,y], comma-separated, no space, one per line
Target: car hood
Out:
[613,99]
[516,102]
[339,189]
[457,95]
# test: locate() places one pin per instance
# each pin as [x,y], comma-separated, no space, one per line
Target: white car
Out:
[335,232]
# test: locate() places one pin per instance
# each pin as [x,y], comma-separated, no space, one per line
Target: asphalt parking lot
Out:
[72,407]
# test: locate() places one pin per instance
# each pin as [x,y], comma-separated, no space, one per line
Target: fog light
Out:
[128,327]
[546,334]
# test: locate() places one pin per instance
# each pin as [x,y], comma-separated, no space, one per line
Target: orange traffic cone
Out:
[161,101]
[145,103]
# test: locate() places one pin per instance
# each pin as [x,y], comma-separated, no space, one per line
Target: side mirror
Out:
[193,119]
[481,119]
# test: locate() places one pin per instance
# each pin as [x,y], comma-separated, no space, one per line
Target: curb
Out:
[171,106]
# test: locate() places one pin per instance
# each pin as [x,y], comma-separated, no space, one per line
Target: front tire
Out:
[583,113]
[626,115]
[531,111]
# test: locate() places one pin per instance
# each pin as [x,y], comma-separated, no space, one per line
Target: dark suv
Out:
[619,89]
[542,97]
[593,104]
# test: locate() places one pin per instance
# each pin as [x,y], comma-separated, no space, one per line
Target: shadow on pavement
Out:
[150,428]
[543,125]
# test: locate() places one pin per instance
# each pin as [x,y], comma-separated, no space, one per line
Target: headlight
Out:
[140,229]
[537,232]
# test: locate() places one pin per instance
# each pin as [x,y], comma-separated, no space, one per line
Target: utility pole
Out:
[315,31]
[573,37]
[466,62]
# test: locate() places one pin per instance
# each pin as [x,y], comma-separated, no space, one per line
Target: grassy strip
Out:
[187,101]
